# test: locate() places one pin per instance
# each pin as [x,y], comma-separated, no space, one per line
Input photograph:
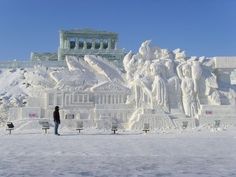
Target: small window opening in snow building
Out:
[97,44]
[89,44]
[105,45]
[72,43]
[81,44]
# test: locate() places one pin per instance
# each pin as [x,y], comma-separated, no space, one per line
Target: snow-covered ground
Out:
[100,153]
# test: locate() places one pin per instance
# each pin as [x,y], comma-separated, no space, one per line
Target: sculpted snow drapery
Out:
[159,87]
[170,79]
[189,94]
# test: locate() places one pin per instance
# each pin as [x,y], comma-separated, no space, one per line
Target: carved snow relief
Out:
[156,86]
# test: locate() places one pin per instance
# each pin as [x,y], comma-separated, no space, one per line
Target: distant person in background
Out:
[56,117]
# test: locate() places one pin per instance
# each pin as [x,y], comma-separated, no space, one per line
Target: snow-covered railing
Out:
[30,64]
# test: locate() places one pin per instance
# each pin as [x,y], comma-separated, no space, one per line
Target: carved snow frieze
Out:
[160,78]
[112,86]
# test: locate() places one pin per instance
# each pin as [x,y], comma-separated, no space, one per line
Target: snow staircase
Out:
[179,118]
[156,118]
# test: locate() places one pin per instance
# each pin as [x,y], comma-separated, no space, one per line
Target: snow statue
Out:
[173,85]
[211,90]
[129,65]
[166,54]
[196,73]
[159,87]
[146,51]
[189,92]
[179,55]
[141,90]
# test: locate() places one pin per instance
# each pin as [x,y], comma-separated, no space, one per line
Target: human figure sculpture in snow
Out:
[188,92]
[173,82]
[196,72]
[142,93]
[130,69]
[127,59]
[212,90]
[138,77]
[132,77]
[159,87]
[180,55]
[140,65]
[146,68]
[165,54]
[146,51]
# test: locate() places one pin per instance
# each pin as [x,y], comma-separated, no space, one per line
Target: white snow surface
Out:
[189,153]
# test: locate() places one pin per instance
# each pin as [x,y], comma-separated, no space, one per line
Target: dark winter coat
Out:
[56,116]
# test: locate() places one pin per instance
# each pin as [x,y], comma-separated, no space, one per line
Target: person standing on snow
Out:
[56,117]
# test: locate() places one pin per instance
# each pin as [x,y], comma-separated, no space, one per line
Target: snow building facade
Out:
[99,106]
[82,42]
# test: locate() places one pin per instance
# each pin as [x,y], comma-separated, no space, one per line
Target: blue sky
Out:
[201,27]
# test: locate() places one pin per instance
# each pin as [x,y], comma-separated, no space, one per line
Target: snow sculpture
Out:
[102,67]
[141,94]
[196,73]
[211,90]
[173,85]
[77,75]
[159,87]
[165,54]
[189,94]
[126,65]
[179,55]
[73,64]
[145,50]
[131,70]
